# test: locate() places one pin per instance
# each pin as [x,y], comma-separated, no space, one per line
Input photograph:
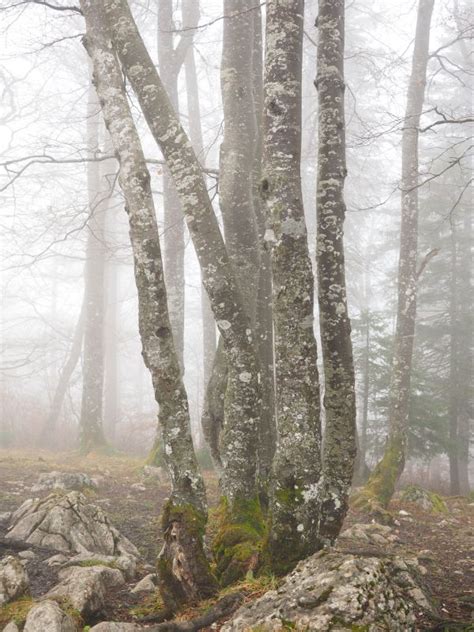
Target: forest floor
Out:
[444,541]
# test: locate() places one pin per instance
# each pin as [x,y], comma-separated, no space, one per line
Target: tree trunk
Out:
[50,424]
[91,435]
[111,390]
[184,570]
[195,133]
[453,409]
[339,391]
[242,401]
[381,485]
[294,503]
[264,326]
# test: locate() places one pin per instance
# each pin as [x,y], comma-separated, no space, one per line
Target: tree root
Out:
[220,609]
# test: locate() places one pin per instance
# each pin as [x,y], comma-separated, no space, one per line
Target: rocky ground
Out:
[438,541]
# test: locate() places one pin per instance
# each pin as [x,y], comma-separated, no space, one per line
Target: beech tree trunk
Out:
[339,390]
[195,132]
[72,359]
[294,502]
[91,434]
[242,399]
[381,484]
[184,570]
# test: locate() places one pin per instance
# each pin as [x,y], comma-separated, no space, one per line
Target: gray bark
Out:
[339,390]
[195,133]
[381,484]
[72,359]
[242,395]
[91,434]
[184,572]
[111,389]
[294,500]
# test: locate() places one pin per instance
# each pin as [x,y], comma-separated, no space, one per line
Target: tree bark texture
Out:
[335,328]
[294,503]
[184,570]
[381,484]
[243,391]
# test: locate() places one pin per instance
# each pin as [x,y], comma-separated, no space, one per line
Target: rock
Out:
[47,615]
[86,587]
[147,584]
[13,579]
[402,512]
[332,590]
[373,533]
[125,563]
[428,501]
[57,560]
[5,516]
[115,626]
[68,524]
[11,627]
[138,487]
[27,555]
[155,473]
[64,480]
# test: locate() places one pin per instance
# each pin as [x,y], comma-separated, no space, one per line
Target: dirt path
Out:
[444,541]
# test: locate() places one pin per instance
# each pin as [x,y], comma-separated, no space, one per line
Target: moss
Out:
[67,607]
[151,605]
[426,499]
[377,493]
[16,611]
[88,563]
[156,456]
[240,532]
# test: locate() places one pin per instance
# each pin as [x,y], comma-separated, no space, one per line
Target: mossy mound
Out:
[428,501]
[240,532]
[15,611]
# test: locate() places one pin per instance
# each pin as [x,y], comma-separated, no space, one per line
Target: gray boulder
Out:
[68,524]
[11,627]
[86,587]
[13,579]
[64,480]
[335,591]
[145,585]
[115,626]
[48,616]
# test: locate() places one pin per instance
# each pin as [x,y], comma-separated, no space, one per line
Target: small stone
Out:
[11,627]
[57,560]
[138,487]
[147,584]
[27,555]
[13,579]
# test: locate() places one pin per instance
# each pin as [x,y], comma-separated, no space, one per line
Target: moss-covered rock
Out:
[427,500]
[240,532]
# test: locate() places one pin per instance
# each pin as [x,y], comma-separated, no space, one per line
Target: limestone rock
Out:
[428,501]
[373,533]
[126,563]
[5,516]
[13,579]
[115,626]
[68,524]
[86,587]
[334,591]
[64,480]
[11,627]
[47,615]
[147,584]
[155,473]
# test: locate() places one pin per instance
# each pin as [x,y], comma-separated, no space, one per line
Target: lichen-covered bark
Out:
[209,337]
[212,418]
[243,393]
[335,328]
[159,354]
[170,60]
[381,484]
[294,503]
[91,435]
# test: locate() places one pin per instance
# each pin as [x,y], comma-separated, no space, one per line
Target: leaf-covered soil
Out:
[444,541]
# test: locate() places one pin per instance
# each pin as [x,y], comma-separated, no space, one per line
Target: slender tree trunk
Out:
[294,502]
[74,354]
[184,571]
[91,434]
[339,399]
[264,326]
[381,485]
[242,400]
[111,390]
[195,132]
[453,409]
